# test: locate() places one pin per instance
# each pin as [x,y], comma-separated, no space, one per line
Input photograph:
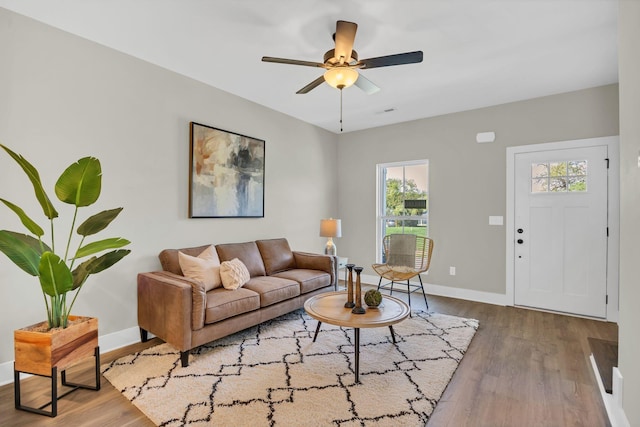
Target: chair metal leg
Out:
[424,293]
[409,297]
[379,282]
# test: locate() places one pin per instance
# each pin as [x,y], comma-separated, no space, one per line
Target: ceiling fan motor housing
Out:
[330,57]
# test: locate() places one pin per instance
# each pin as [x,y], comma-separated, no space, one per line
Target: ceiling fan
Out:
[342,64]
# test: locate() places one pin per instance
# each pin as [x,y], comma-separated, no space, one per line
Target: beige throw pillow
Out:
[234,274]
[204,268]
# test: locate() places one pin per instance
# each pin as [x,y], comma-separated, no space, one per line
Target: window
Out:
[559,177]
[403,199]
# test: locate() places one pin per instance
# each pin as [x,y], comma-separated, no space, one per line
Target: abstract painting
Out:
[226,174]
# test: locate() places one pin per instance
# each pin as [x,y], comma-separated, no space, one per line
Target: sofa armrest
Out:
[170,306]
[320,262]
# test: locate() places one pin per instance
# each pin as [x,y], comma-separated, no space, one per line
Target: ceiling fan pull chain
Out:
[341,110]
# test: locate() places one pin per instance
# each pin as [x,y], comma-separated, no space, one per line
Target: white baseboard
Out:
[106,342]
[612,402]
[447,291]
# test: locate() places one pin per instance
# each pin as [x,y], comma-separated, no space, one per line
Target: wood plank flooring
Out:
[523,368]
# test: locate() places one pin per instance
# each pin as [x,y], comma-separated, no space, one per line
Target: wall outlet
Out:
[452,271]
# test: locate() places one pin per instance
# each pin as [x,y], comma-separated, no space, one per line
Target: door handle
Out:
[520,241]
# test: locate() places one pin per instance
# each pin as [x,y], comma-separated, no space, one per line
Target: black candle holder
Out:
[358,309]
[350,303]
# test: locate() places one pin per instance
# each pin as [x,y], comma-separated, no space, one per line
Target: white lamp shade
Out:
[330,228]
[341,77]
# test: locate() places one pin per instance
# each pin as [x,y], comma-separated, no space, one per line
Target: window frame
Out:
[381,216]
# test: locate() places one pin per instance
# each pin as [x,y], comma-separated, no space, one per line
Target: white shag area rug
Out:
[274,375]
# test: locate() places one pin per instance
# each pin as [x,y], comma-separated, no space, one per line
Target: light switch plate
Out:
[496,220]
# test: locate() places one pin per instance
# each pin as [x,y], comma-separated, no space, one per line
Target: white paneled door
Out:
[560,234]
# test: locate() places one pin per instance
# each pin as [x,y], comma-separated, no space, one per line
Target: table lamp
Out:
[330,228]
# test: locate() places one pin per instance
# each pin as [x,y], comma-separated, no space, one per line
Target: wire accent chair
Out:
[406,256]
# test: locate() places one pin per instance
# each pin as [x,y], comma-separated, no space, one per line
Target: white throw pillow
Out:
[234,274]
[204,268]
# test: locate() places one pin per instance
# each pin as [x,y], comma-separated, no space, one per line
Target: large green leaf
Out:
[26,221]
[96,265]
[107,260]
[23,250]
[80,273]
[80,183]
[48,209]
[55,276]
[101,245]
[98,222]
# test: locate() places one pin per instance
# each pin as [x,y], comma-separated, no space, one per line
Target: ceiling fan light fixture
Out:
[341,77]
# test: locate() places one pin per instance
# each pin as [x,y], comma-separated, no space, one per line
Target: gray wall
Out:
[629,69]
[466,179]
[63,98]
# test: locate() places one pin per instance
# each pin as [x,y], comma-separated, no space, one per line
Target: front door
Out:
[561,230]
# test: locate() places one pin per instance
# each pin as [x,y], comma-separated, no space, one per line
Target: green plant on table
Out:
[79,185]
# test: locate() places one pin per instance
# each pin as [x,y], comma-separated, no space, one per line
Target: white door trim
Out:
[613,206]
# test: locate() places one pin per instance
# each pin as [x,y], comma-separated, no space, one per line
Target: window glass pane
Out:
[577,167]
[394,191]
[578,183]
[540,185]
[415,190]
[558,184]
[558,169]
[539,170]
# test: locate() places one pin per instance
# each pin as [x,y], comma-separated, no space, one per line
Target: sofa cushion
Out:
[204,268]
[273,289]
[309,280]
[247,252]
[276,255]
[234,274]
[223,303]
[169,258]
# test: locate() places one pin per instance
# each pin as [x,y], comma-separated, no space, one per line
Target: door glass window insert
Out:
[559,177]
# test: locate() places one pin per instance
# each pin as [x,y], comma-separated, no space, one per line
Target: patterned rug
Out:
[274,375]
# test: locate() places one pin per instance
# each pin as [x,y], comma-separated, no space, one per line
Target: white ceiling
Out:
[477,53]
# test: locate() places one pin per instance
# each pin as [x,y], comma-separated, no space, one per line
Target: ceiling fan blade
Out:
[366,85]
[314,84]
[292,62]
[344,37]
[389,60]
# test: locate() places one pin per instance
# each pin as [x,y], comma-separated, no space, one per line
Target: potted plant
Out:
[61,273]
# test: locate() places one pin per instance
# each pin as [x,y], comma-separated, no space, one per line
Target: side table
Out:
[342,264]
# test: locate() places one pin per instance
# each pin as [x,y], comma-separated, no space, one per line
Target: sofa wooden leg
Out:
[144,337]
[184,358]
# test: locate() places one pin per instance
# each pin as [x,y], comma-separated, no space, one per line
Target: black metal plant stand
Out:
[54,387]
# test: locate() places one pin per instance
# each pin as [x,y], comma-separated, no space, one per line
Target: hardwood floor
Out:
[523,368]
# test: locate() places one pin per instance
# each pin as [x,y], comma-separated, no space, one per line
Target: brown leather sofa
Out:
[179,311]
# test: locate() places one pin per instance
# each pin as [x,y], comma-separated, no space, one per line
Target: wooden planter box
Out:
[45,352]
[37,351]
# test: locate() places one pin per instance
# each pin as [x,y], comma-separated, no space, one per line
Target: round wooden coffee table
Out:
[329,308]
